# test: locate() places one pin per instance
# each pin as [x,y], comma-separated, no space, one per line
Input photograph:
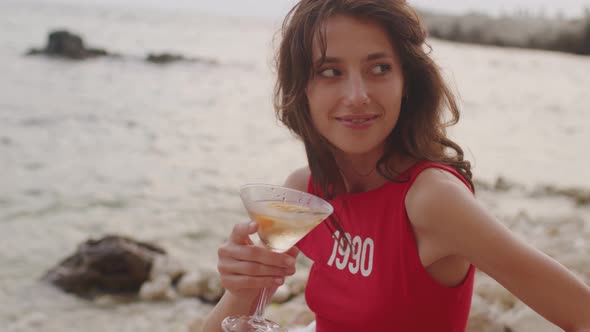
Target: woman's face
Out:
[355,94]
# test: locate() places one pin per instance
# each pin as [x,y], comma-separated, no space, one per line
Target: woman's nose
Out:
[356,93]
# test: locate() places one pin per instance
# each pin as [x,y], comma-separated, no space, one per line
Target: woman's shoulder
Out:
[436,175]
[433,191]
[298,179]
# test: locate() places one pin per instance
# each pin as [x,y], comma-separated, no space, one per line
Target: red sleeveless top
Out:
[379,283]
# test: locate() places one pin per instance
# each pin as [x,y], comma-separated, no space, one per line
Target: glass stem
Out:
[261,304]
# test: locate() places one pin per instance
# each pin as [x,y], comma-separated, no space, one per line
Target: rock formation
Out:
[62,43]
[113,264]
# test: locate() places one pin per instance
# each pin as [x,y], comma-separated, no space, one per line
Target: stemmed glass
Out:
[284,216]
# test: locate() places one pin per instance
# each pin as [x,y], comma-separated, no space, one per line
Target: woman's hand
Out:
[246,268]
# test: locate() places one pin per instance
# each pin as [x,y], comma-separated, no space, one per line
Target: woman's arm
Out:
[442,207]
[245,268]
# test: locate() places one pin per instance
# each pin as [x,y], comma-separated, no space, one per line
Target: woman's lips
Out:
[357,121]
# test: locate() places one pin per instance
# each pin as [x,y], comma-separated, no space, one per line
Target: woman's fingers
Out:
[256,254]
[243,265]
[293,252]
[235,281]
[253,269]
[241,232]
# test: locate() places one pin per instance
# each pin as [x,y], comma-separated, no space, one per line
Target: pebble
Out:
[159,289]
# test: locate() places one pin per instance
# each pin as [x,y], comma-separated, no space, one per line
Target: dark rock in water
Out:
[94,52]
[111,265]
[165,58]
[62,43]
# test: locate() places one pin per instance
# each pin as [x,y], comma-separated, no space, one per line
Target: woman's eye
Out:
[330,72]
[381,69]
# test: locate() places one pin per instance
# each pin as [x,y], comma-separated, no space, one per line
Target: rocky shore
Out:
[560,231]
[68,45]
[522,30]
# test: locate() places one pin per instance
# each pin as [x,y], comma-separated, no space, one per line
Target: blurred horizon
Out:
[278,8]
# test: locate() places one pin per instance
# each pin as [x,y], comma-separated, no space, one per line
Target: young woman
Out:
[356,84]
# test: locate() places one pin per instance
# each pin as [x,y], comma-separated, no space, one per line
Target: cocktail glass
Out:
[284,216]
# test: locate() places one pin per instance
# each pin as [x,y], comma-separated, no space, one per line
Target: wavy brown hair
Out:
[420,132]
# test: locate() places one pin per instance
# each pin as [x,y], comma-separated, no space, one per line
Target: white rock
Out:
[204,284]
[192,284]
[524,319]
[213,289]
[158,289]
[290,314]
[281,295]
[298,281]
[196,325]
[483,317]
[165,265]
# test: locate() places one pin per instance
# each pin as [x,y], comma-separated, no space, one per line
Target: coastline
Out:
[524,30]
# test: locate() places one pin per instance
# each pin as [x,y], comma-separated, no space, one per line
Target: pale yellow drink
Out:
[284,216]
[281,225]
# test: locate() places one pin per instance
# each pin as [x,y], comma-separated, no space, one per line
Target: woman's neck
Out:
[360,174]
